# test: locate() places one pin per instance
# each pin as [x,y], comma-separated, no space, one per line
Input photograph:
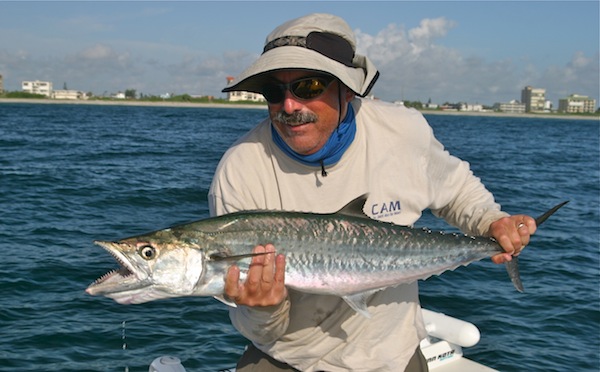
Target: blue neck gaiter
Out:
[334,148]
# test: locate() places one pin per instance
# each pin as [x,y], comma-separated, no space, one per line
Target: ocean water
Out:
[70,174]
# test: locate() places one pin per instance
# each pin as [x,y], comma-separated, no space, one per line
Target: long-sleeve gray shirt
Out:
[396,159]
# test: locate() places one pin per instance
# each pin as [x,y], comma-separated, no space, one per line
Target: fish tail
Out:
[540,220]
[512,266]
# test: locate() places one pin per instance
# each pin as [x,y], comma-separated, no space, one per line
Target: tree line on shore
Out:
[142,97]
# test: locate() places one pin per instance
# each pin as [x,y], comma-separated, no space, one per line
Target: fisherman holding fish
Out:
[321,147]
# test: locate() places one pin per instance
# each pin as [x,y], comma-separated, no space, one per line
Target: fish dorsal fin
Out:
[355,207]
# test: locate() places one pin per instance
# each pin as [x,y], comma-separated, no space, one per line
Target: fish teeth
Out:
[105,277]
[123,271]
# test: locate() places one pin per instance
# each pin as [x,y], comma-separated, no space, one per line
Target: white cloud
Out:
[578,76]
[206,74]
[422,37]
[414,65]
[580,61]
[394,43]
[98,52]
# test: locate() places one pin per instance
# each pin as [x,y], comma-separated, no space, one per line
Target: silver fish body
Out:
[345,254]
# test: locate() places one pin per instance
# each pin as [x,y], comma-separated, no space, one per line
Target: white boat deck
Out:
[443,348]
[446,338]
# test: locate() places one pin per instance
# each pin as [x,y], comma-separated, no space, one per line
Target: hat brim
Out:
[293,57]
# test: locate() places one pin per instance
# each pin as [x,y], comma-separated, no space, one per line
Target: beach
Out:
[264,107]
[131,103]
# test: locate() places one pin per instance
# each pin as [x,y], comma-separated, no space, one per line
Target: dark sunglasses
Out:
[306,88]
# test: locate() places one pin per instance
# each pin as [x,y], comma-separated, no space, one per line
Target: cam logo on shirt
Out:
[386,209]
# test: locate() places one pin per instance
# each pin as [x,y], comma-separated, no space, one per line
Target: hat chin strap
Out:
[331,152]
[340,102]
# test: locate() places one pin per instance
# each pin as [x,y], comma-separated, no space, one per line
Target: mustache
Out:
[295,118]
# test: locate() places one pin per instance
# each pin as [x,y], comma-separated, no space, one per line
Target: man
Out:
[320,148]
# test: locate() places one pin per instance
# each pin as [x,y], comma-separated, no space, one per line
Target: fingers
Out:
[232,286]
[279,277]
[255,272]
[265,280]
[268,269]
[513,234]
[501,258]
[280,270]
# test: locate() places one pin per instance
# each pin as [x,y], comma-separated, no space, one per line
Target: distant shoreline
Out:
[250,106]
[131,103]
[510,115]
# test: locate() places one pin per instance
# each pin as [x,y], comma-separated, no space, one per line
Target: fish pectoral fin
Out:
[221,256]
[358,302]
[225,301]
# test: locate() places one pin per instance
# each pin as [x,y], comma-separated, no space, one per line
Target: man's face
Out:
[306,124]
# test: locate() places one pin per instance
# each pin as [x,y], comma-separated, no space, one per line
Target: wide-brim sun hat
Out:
[318,42]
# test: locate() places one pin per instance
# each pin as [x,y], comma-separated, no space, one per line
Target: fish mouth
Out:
[127,277]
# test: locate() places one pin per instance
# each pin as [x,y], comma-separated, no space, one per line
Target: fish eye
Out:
[147,252]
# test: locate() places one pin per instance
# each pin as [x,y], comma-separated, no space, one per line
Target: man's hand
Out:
[512,233]
[264,285]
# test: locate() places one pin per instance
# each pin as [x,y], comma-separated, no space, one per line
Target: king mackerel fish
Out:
[345,254]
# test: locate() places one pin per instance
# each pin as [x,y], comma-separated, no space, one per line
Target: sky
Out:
[444,51]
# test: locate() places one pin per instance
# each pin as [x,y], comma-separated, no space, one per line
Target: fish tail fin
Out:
[512,266]
[540,220]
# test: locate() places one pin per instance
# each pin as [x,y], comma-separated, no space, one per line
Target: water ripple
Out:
[72,174]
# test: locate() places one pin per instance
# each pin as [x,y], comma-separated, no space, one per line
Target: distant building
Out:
[470,107]
[512,107]
[577,104]
[68,94]
[430,106]
[37,87]
[243,95]
[534,99]
[449,107]
[1,84]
